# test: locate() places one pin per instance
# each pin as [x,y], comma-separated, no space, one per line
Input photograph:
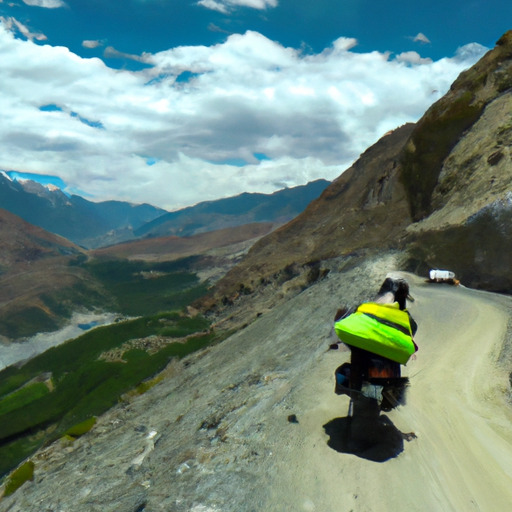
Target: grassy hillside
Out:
[139,288]
[41,297]
[69,384]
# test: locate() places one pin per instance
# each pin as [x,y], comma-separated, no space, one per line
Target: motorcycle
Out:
[377,382]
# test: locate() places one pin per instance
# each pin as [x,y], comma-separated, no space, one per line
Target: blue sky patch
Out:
[50,108]
[186,76]
[92,124]
[261,156]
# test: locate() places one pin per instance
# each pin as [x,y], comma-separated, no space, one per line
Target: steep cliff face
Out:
[429,185]
[478,249]
[463,204]
[438,191]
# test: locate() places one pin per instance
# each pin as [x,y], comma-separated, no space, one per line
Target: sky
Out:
[174,102]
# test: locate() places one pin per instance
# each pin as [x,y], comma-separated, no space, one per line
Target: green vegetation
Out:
[81,428]
[147,385]
[129,287]
[22,397]
[83,385]
[141,288]
[23,474]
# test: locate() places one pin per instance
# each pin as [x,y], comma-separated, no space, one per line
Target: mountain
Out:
[279,207]
[438,191]
[39,280]
[457,170]
[24,243]
[101,224]
[84,222]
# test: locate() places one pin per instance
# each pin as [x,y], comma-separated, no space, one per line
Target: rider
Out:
[379,338]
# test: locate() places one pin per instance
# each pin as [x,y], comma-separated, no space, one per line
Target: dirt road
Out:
[457,405]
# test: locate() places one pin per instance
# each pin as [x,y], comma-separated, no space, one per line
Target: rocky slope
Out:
[252,424]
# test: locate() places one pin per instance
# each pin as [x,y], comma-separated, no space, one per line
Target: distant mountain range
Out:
[92,225]
[279,207]
[83,222]
[46,236]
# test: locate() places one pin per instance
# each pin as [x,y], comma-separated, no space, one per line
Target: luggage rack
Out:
[388,391]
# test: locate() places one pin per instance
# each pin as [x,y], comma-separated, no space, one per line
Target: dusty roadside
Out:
[216,436]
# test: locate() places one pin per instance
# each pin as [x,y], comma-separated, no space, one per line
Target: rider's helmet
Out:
[399,287]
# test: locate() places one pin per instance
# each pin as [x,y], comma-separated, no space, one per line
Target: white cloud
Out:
[111,53]
[412,58]
[91,43]
[225,6]
[214,5]
[469,52]
[166,135]
[421,38]
[16,27]
[47,4]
